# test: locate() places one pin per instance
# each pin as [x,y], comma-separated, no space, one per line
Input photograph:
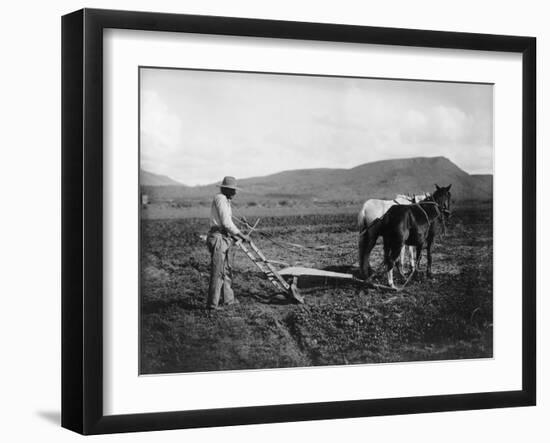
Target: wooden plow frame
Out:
[279,277]
[263,264]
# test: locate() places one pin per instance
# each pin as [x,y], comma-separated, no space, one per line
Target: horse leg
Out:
[365,248]
[374,233]
[418,258]
[412,256]
[389,274]
[367,241]
[391,256]
[388,263]
[401,262]
[362,246]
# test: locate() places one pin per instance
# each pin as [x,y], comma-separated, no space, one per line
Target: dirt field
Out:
[447,317]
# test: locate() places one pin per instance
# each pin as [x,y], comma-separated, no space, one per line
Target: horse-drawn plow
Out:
[403,221]
[286,280]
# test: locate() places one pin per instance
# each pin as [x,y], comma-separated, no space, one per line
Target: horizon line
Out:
[309,169]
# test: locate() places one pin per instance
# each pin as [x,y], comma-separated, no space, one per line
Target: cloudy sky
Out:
[198,126]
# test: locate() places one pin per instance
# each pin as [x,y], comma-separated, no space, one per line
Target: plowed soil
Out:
[447,317]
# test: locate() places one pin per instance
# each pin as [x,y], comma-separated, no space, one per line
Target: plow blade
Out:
[297,271]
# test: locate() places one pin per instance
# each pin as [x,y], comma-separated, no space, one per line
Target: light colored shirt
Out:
[221,214]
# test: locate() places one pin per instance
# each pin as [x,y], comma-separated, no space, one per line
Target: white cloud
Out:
[160,127]
[199,126]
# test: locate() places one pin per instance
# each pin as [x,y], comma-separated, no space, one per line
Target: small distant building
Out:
[144,200]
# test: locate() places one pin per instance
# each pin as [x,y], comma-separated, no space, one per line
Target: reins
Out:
[442,211]
[292,247]
[425,214]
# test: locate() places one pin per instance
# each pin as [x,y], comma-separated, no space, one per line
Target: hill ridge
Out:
[147,178]
[379,179]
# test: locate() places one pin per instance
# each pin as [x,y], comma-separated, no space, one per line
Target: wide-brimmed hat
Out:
[229,182]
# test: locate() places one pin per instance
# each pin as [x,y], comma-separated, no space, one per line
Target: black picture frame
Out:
[82,218]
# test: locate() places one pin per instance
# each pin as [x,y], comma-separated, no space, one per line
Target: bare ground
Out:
[447,317]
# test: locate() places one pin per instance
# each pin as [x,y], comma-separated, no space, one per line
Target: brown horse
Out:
[413,225]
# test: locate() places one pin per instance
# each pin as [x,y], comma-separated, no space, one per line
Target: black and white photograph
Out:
[268,222]
[291,220]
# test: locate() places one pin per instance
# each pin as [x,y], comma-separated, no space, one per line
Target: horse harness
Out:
[426,214]
[366,228]
[421,208]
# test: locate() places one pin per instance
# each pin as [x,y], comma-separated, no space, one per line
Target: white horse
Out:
[372,211]
[417,198]
[375,208]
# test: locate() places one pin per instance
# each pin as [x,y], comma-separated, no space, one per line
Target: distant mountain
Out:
[419,174]
[150,179]
[381,179]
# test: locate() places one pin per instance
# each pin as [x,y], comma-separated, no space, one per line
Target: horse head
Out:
[442,196]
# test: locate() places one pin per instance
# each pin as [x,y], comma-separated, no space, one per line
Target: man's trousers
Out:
[219,246]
